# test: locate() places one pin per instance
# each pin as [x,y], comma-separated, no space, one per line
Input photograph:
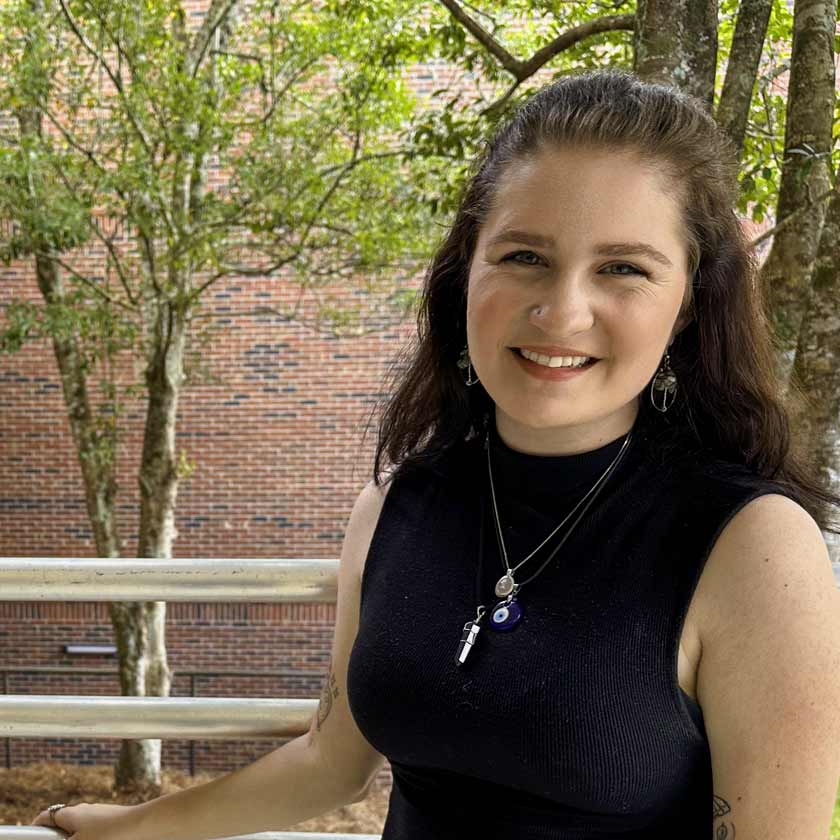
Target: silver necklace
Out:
[508,612]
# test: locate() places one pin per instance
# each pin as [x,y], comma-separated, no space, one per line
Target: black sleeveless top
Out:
[573,723]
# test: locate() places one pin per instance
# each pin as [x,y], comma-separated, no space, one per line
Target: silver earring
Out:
[666,382]
[465,362]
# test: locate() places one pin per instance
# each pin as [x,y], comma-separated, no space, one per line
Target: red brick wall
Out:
[288,643]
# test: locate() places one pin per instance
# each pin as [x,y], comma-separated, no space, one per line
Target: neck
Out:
[563,440]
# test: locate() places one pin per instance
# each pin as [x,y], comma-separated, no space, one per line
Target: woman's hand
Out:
[90,822]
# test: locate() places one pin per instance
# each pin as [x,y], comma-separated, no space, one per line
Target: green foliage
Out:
[299,108]
[449,130]
[99,332]
[290,141]
[332,166]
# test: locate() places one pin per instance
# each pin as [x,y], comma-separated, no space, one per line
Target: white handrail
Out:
[189,718]
[149,579]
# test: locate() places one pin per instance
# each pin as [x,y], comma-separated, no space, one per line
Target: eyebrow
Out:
[607,249]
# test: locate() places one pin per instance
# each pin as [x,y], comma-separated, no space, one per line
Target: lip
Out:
[552,374]
[552,350]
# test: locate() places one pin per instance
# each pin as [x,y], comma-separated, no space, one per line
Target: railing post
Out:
[8,740]
[192,743]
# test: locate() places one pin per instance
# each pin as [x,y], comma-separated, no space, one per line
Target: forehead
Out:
[582,194]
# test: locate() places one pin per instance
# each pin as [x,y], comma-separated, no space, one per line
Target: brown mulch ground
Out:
[27,790]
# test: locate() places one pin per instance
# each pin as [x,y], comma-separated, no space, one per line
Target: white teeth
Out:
[555,361]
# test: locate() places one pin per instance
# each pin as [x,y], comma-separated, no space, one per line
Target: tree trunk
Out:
[97,458]
[144,668]
[786,274]
[675,43]
[742,69]
[816,368]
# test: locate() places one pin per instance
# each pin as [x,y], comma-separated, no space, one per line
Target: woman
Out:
[593,598]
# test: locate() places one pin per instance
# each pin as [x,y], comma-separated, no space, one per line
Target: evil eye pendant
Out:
[506,615]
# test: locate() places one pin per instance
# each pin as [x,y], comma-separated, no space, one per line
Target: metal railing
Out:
[185,718]
[132,579]
[6,672]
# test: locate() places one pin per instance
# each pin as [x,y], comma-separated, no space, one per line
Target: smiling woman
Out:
[597,593]
[569,203]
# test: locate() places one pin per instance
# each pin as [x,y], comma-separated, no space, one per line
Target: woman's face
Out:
[549,272]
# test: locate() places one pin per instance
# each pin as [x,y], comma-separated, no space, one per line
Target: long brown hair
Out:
[729,401]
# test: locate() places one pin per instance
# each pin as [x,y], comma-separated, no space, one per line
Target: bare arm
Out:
[329,766]
[279,790]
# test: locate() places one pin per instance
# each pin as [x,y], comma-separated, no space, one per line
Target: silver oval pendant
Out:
[506,615]
[504,586]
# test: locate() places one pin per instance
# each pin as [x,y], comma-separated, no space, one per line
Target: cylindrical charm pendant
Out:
[504,586]
[471,629]
[506,615]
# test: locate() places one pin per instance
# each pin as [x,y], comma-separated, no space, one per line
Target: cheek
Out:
[639,334]
[489,310]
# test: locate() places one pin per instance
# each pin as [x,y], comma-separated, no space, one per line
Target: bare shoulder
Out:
[363,520]
[771,554]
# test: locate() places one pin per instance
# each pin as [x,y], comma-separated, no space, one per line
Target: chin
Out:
[548,419]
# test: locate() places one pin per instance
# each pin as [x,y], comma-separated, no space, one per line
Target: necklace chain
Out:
[593,492]
[508,613]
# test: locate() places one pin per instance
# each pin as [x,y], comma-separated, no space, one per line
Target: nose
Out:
[562,309]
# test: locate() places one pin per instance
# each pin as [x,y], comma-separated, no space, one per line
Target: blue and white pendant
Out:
[506,615]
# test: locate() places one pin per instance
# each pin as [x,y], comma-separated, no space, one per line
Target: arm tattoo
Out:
[328,692]
[724,829]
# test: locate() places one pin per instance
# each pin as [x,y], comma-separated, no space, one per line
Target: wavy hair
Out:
[729,401]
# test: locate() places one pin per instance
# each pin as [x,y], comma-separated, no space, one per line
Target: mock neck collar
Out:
[538,481]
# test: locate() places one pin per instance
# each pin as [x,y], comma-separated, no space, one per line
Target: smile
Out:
[551,373]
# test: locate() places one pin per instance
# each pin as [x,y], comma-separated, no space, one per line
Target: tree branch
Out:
[82,279]
[522,70]
[263,271]
[614,23]
[98,233]
[73,142]
[347,165]
[791,216]
[216,14]
[248,271]
[148,250]
[511,64]
[123,55]
[108,243]
[115,79]
[276,97]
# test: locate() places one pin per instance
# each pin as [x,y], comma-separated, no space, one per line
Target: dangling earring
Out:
[666,382]
[465,362]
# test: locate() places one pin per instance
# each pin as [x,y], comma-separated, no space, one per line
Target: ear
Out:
[682,322]
[686,315]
